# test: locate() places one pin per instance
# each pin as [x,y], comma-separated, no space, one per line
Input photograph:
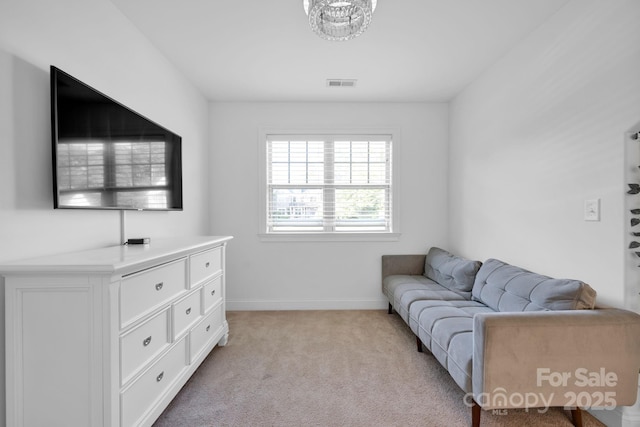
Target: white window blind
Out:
[329,184]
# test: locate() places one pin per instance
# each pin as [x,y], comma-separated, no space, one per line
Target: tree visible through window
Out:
[329,184]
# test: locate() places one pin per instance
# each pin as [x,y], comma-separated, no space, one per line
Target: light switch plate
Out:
[592,210]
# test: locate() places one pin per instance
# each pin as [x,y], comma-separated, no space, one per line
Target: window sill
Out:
[329,237]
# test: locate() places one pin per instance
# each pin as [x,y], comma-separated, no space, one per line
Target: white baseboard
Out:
[630,420]
[618,417]
[610,418]
[269,305]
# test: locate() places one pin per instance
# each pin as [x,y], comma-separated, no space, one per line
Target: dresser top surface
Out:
[115,259]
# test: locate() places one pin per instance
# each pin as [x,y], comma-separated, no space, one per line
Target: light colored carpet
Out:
[329,368]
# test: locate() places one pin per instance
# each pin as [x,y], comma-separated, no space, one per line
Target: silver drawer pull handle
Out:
[147,341]
[208,327]
[207,265]
[213,292]
[159,286]
[159,377]
[188,310]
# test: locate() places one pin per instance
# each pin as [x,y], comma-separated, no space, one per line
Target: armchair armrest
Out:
[573,358]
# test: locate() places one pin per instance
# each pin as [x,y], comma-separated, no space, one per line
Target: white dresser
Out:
[107,337]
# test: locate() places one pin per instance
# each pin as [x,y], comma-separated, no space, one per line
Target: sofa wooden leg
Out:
[475,414]
[419,343]
[390,310]
[576,414]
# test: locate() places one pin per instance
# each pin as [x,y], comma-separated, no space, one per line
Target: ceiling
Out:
[264,50]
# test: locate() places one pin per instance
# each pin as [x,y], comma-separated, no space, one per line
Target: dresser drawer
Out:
[202,334]
[144,291]
[185,313]
[142,395]
[212,293]
[205,264]
[140,345]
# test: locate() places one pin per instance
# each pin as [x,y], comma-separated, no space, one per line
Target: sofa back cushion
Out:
[504,287]
[452,272]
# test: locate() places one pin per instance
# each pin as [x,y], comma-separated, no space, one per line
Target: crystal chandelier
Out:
[339,19]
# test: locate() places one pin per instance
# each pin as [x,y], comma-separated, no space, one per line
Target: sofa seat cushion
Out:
[391,283]
[395,286]
[451,271]
[461,308]
[446,329]
[406,297]
[403,290]
[508,288]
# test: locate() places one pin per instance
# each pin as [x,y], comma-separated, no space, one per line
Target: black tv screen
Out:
[107,156]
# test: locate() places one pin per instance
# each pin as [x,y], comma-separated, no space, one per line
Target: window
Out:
[328,184]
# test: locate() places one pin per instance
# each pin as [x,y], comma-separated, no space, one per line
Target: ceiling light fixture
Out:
[339,19]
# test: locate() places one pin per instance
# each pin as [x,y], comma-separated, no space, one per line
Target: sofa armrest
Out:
[573,358]
[403,264]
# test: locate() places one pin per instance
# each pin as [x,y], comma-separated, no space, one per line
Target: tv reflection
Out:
[114,173]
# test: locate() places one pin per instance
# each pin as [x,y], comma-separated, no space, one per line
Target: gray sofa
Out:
[511,338]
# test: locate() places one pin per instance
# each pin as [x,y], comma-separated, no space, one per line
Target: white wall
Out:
[539,133]
[327,275]
[94,42]
[91,40]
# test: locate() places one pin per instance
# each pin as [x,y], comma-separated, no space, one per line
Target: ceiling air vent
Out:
[341,82]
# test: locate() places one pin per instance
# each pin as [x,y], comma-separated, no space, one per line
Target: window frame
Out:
[392,134]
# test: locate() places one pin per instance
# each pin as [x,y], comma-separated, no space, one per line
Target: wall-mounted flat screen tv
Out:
[107,156]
